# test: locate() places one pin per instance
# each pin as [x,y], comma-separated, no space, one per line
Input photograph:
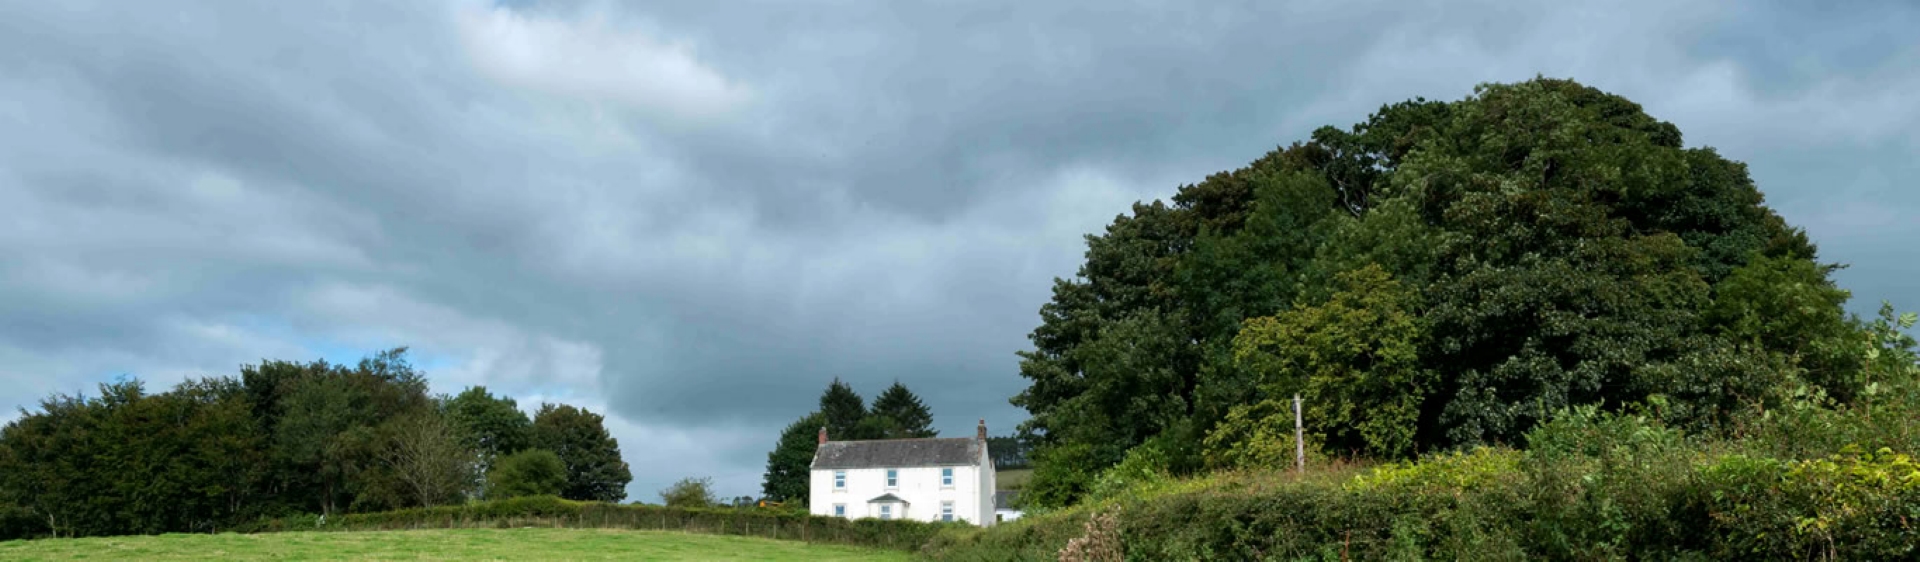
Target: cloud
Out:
[692,218]
[591,61]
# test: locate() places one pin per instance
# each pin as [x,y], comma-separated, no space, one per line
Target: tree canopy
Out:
[281,438]
[493,426]
[532,472]
[789,464]
[1442,274]
[904,415]
[592,456]
[844,410]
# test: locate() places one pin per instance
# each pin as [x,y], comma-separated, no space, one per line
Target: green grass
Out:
[455,544]
[1013,479]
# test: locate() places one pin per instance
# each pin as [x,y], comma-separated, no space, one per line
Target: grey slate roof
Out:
[899,453]
[1004,499]
[884,498]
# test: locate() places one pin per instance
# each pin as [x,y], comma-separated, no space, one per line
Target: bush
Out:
[689,492]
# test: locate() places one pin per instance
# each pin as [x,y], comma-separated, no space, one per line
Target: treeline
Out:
[1442,275]
[287,438]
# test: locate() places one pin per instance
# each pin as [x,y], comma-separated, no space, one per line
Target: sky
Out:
[691,216]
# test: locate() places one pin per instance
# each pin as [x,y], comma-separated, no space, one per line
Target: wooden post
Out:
[1299,439]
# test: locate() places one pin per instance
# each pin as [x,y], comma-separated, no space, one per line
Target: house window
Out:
[946,511]
[839,510]
[946,477]
[893,478]
[839,479]
[886,510]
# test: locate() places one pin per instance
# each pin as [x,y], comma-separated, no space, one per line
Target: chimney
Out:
[823,435]
[983,429]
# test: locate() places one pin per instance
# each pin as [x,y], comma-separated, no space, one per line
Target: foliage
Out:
[549,511]
[594,468]
[690,492]
[449,544]
[531,472]
[1143,468]
[211,454]
[493,426]
[1255,437]
[905,416]
[844,410]
[1009,452]
[1101,543]
[1442,275]
[428,458]
[789,464]
[1352,358]
[1060,475]
[1591,485]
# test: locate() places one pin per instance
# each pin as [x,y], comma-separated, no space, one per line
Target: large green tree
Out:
[902,415]
[844,410]
[594,468]
[789,464]
[1534,246]
[492,426]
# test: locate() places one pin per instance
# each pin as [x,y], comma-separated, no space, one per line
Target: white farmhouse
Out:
[940,479]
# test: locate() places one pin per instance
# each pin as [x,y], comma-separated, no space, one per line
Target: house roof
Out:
[899,453]
[885,498]
[1004,499]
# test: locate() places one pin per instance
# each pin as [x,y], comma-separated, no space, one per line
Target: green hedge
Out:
[1592,488]
[548,511]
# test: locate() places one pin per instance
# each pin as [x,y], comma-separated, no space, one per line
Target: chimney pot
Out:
[823,435]
[983,429]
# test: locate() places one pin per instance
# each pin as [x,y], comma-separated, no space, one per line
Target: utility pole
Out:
[1299,438]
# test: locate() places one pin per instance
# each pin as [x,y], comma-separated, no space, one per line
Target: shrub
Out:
[689,492]
[1101,543]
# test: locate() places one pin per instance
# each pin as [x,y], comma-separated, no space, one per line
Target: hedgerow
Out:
[1590,486]
[548,511]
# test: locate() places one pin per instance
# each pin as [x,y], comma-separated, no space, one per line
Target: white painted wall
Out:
[971,493]
[989,482]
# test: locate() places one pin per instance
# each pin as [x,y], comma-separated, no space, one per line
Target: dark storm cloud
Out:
[694,217]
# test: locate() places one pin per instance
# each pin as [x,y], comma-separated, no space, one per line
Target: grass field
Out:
[458,544]
[1013,479]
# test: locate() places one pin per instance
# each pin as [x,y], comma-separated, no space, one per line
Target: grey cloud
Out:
[189,187]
